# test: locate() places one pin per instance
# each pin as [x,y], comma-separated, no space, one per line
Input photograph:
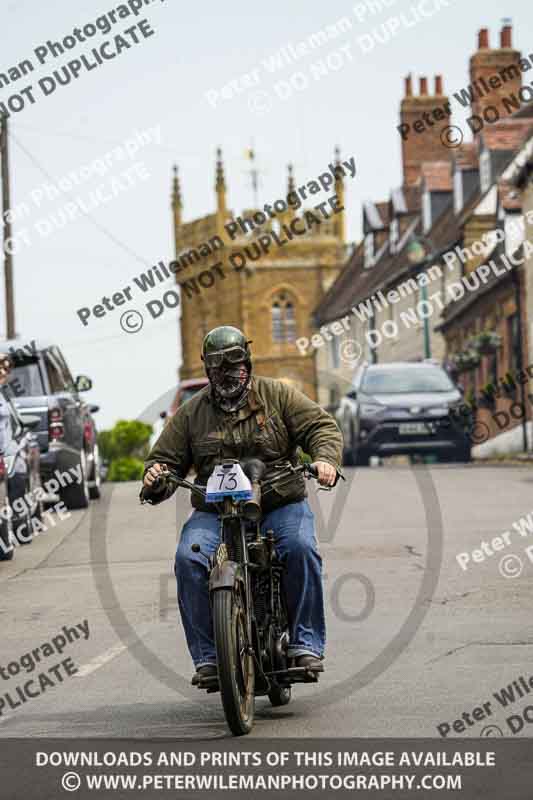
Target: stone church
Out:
[271,299]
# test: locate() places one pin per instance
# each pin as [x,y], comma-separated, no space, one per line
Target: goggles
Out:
[233,355]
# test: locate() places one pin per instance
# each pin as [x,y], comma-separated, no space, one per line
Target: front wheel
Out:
[95,491]
[76,495]
[236,674]
[7,548]
[348,452]
[361,457]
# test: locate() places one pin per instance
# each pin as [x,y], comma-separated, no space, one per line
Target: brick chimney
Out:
[494,73]
[425,146]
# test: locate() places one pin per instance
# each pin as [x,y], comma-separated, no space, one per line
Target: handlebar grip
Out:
[313,471]
[156,488]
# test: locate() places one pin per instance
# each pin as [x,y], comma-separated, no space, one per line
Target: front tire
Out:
[7,546]
[462,455]
[348,459]
[76,495]
[361,457]
[24,519]
[94,491]
[236,674]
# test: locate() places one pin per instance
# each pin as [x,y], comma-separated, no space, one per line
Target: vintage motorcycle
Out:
[251,627]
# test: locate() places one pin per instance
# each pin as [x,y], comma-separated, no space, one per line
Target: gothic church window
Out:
[283,320]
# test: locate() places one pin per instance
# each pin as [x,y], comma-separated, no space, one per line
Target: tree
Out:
[125,447]
[130,438]
[126,469]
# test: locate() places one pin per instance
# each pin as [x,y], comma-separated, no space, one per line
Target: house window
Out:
[283,320]
[277,323]
[426,211]
[457,191]
[394,234]
[484,171]
[290,323]
[369,250]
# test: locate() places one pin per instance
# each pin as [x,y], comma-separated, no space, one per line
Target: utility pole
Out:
[6,219]
[517,278]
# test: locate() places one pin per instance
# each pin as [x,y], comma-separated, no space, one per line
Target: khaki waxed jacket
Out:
[274,422]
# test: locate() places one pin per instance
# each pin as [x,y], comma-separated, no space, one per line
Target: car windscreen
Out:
[26,380]
[408,380]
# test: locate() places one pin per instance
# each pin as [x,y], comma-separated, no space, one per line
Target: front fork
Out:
[228,574]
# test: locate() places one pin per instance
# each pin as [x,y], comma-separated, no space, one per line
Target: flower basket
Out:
[467,360]
[487,342]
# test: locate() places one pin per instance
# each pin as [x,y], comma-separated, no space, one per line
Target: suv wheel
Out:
[463,455]
[6,554]
[96,479]
[76,495]
[25,536]
[348,459]
[361,457]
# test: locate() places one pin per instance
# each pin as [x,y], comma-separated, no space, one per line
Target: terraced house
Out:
[439,272]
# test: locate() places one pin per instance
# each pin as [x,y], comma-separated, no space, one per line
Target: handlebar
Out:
[307,470]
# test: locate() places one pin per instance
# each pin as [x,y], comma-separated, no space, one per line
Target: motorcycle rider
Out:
[236,416]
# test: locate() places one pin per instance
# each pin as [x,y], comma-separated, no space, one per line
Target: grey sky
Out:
[164,81]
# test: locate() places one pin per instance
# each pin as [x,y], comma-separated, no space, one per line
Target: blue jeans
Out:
[296,546]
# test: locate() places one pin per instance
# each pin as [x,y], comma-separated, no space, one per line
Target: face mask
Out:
[229,380]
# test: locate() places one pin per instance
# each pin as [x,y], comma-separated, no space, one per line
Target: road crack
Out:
[455,650]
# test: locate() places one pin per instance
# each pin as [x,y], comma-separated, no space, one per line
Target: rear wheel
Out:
[348,452]
[361,457]
[280,695]
[236,674]
[20,498]
[462,455]
[76,495]
[22,526]
[94,490]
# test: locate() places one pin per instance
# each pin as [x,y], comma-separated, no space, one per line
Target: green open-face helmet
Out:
[225,344]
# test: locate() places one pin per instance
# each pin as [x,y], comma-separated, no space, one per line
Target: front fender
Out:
[225,575]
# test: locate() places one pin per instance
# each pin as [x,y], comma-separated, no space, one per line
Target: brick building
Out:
[460,203]
[270,299]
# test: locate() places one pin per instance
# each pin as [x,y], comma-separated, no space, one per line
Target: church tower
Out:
[272,297]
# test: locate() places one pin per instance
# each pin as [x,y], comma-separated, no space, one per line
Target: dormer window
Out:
[394,234]
[484,171]
[426,211]
[457,191]
[369,250]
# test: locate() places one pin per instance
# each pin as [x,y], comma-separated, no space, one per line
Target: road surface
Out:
[415,641]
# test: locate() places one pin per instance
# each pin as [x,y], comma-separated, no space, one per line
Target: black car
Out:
[21,493]
[44,387]
[403,409]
